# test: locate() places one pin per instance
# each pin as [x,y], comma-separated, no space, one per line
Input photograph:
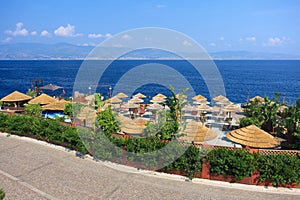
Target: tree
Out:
[31,93]
[73,109]
[176,103]
[98,100]
[246,121]
[291,122]
[34,110]
[108,122]
[265,112]
[165,128]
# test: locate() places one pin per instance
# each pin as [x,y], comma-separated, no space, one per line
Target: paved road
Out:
[32,170]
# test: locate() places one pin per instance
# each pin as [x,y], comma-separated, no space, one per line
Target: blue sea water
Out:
[242,78]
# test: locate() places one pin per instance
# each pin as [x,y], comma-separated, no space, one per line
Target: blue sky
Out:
[218,25]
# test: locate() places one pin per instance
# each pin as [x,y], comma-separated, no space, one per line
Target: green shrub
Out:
[52,130]
[33,110]
[238,163]
[246,121]
[189,162]
[2,194]
[280,169]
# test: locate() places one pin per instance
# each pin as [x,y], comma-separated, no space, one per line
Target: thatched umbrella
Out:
[130,126]
[121,95]
[140,95]
[87,113]
[160,96]
[16,97]
[231,108]
[155,106]
[252,136]
[223,102]
[56,105]
[220,98]
[204,107]
[199,98]
[197,133]
[43,99]
[51,87]
[136,100]
[282,108]
[114,100]
[130,105]
[157,100]
[257,98]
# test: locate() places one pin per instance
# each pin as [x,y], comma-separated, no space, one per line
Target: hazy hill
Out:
[37,51]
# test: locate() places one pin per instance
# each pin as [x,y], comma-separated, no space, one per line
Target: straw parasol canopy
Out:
[130,126]
[114,100]
[121,95]
[198,133]
[43,99]
[257,98]
[220,98]
[140,95]
[50,87]
[157,100]
[200,102]
[282,108]
[155,106]
[56,105]
[130,105]
[87,113]
[216,109]
[199,98]
[252,136]
[160,96]
[188,108]
[232,108]
[204,107]
[136,100]
[16,96]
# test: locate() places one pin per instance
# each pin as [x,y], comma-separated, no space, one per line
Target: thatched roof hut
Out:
[43,99]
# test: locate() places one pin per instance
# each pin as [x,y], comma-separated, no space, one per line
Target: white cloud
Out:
[7,40]
[33,33]
[126,37]
[250,38]
[19,30]
[87,44]
[213,44]
[221,38]
[276,41]
[94,35]
[108,35]
[45,33]
[68,31]
[186,43]
[160,6]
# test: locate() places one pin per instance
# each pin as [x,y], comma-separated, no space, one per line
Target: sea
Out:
[242,78]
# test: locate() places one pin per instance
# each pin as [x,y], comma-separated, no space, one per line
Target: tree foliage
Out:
[107,121]
[73,109]
[33,110]
[31,93]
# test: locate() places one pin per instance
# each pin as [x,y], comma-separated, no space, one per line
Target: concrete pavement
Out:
[31,169]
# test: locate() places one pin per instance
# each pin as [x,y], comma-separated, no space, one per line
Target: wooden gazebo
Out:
[16,97]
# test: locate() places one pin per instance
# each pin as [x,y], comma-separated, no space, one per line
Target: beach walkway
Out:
[31,169]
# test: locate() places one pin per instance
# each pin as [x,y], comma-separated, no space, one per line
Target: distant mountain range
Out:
[37,51]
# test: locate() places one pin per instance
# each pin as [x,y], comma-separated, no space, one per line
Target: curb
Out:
[132,170]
